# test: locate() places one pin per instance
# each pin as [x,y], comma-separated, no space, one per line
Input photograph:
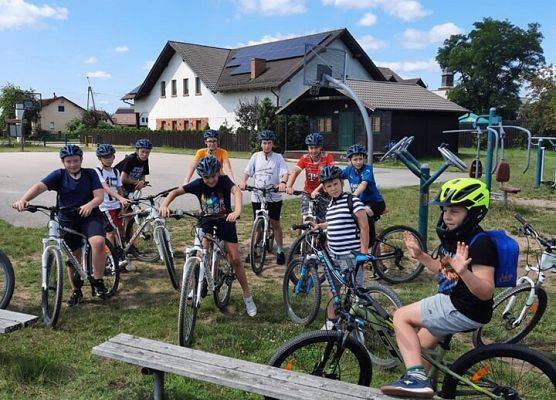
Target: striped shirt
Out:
[342,232]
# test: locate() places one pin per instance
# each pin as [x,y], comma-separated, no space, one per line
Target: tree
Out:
[266,119]
[539,111]
[246,116]
[10,95]
[91,118]
[491,63]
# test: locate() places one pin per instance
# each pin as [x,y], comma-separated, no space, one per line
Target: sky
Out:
[51,46]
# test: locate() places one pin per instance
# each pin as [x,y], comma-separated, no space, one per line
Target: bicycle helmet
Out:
[70,150]
[356,149]
[143,144]
[210,133]
[208,166]
[466,192]
[329,173]
[314,139]
[105,150]
[267,135]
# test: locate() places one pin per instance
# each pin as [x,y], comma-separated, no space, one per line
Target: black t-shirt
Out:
[135,169]
[215,200]
[482,252]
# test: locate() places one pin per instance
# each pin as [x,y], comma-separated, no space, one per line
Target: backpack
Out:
[505,274]
[350,206]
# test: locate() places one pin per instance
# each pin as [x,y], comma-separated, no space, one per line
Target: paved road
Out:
[18,171]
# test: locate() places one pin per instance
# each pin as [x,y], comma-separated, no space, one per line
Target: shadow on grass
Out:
[34,370]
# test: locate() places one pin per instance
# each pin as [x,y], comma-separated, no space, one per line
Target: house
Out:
[446,85]
[125,116]
[56,112]
[391,76]
[192,86]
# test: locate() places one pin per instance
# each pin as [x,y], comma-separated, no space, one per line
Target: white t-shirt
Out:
[114,181]
[266,172]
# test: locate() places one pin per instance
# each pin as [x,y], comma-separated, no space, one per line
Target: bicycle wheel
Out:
[390,301]
[501,327]
[223,279]
[302,298]
[258,246]
[143,247]
[320,353]
[111,268]
[7,280]
[509,371]
[394,265]
[299,249]
[187,314]
[164,240]
[51,293]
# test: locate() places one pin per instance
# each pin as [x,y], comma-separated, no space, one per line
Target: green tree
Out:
[91,118]
[491,64]
[246,116]
[266,119]
[539,111]
[10,95]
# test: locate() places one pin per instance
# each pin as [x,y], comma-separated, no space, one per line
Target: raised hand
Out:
[412,245]
[460,261]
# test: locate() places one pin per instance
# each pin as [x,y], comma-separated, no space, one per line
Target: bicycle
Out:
[517,310]
[7,280]
[494,371]
[54,247]
[204,270]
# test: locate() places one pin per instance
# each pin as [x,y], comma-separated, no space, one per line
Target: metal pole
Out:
[158,392]
[539,167]
[488,169]
[424,201]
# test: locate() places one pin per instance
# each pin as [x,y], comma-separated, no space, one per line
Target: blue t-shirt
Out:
[72,192]
[355,177]
[215,200]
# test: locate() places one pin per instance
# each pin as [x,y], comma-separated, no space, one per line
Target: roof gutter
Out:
[277,97]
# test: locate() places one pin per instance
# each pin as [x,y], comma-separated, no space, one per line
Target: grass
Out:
[39,363]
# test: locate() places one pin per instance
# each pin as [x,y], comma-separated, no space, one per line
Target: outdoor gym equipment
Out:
[539,169]
[423,172]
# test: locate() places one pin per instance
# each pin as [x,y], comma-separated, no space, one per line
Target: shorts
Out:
[225,231]
[113,220]
[93,225]
[441,318]
[346,261]
[274,209]
[319,208]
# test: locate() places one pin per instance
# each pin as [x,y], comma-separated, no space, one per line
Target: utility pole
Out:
[90,95]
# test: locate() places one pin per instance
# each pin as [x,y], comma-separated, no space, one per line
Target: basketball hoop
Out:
[314,89]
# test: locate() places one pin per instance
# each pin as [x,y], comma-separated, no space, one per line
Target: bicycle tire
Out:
[111,268]
[479,338]
[140,254]
[310,284]
[466,365]
[296,252]
[53,265]
[385,272]
[257,263]
[187,314]
[223,283]
[169,261]
[8,283]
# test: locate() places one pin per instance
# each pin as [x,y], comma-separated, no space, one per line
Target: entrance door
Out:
[346,129]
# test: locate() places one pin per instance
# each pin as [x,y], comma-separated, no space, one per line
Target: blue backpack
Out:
[508,253]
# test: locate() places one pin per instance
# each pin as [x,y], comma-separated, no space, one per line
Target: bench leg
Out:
[158,390]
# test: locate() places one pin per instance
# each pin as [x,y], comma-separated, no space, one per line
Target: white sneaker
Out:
[250,306]
[328,326]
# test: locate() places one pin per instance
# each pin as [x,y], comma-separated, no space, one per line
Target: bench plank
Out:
[230,372]
[11,321]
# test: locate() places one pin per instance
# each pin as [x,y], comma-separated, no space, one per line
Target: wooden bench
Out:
[158,358]
[12,321]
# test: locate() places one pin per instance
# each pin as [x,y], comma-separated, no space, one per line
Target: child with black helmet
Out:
[134,167]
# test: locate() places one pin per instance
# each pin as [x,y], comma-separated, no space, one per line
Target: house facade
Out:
[56,112]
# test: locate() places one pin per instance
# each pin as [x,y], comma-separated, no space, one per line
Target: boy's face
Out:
[357,161]
[211,143]
[266,146]
[72,164]
[333,188]
[211,180]
[108,160]
[454,216]
[143,154]
[314,151]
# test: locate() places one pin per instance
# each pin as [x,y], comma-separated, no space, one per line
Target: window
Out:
[186,125]
[198,125]
[174,88]
[186,87]
[51,126]
[197,85]
[163,89]
[324,124]
[61,108]
[163,125]
[375,124]
[174,125]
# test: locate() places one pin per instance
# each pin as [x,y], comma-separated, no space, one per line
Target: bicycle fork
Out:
[160,231]
[304,285]
[530,300]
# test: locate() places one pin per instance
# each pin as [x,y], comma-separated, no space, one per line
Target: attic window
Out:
[163,89]
[197,85]
[174,88]
[61,108]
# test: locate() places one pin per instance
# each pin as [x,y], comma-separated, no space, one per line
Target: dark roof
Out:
[390,75]
[131,95]
[415,81]
[124,110]
[46,102]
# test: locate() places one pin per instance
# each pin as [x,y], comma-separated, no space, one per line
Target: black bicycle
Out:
[7,280]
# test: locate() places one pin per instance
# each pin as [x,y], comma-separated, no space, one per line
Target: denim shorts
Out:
[348,261]
[441,318]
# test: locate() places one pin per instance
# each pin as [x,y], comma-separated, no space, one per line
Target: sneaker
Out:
[250,306]
[328,326]
[409,386]
[100,289]
[280,258]
[75,298]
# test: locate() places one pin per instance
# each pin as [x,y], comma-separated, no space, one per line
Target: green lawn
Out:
[39,363]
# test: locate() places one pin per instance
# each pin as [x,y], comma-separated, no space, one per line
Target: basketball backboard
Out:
[319,61]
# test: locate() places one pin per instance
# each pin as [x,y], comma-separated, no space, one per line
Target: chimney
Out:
[54,94]
[258,66]
[447,79]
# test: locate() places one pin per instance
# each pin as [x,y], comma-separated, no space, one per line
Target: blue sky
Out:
[51,45]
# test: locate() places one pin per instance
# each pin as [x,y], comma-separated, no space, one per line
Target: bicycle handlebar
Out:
[164,193]
[178,214]
[529,230]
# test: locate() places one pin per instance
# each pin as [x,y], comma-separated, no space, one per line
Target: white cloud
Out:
[19,13]
[402,67]
[271,7]
[91,60]
[417,39]
[369,42]
[406,10]
[98,74]
[369,19]
[121,49]
[148,64]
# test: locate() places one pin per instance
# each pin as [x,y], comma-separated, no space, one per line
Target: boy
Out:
[134,167]
[214,192]
[466,283]
[268,169]
[344,235]
[79,193]
[312,162]
[363,185]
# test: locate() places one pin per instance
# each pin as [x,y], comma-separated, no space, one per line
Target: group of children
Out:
[465,271]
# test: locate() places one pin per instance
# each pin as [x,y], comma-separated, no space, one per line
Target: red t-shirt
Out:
[312,169]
